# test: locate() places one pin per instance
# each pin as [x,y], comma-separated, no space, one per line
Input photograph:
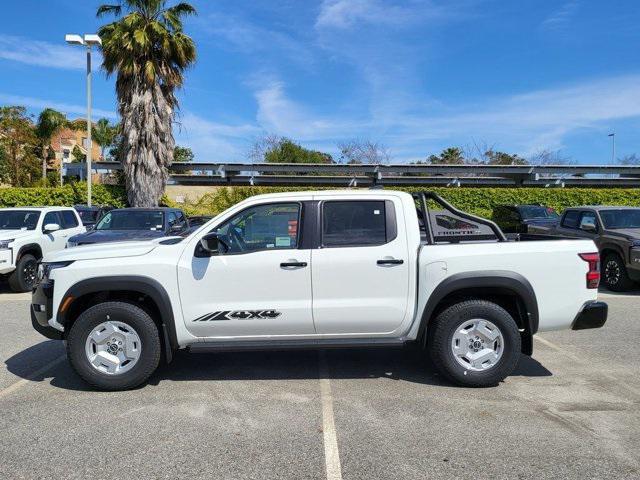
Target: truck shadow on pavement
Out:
[409,364]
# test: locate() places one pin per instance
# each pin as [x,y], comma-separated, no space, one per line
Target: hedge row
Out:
[479,201]
[67,195]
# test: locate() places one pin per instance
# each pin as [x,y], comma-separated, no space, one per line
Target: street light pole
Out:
[613,147]
[88,41]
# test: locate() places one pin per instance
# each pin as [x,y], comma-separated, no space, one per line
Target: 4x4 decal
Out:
[238,315]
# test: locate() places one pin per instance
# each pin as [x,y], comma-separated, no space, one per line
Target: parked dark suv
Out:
[134,224]
[616,231]
[518,218]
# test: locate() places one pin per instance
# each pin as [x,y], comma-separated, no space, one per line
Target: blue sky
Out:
[415,75]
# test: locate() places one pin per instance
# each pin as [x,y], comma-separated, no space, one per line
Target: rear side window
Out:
[570,219]
[69,219]
[353,223]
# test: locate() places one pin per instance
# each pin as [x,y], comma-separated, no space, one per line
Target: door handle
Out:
[390,261]
[293,264]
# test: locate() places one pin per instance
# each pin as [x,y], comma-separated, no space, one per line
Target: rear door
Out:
[360,273]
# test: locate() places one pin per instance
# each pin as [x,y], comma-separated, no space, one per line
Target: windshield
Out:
[88,215]
[531,211]
[19,219]
[614,219]
[132,220]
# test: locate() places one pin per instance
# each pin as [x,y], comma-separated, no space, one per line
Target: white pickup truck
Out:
[318,270]
[28,233]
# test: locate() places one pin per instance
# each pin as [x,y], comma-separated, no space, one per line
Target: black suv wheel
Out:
[23,278]
[615,273]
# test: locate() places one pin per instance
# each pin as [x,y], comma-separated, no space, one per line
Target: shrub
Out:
[68,195]
[479,201]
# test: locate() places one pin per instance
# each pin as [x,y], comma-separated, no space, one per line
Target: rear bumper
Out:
[592,315]
[41,310]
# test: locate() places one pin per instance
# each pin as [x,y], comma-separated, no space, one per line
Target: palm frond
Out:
[103,10]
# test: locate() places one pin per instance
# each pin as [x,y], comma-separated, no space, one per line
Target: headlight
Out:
[4,244]
[635,243]
[45,269]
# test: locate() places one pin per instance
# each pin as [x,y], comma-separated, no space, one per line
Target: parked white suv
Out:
[29,233]
[314,270]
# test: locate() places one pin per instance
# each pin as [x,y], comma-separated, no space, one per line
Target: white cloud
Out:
[43,54]
[67,108]
[214,141]
[561,16]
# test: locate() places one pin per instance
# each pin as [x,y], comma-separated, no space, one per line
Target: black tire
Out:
[129,314]
[22,279]
[443,328]
[615,274]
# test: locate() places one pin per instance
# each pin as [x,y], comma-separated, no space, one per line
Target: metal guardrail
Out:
[367,175]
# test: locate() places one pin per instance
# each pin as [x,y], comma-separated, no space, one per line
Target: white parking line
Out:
[331,453]
[21,383]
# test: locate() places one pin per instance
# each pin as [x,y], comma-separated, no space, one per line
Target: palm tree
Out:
[49,123]
[148,50]
[104,134]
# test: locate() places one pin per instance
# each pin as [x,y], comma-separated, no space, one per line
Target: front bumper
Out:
[42,310]
[592,315]
[6,261]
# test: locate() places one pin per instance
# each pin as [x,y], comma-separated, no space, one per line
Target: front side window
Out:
[19,219]
[263,227]
[69,219]
[570,219]
[352,223]
[132,220]
[51,218]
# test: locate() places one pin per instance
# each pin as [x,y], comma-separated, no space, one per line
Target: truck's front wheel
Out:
[475,343]
[23,277]
[114,346]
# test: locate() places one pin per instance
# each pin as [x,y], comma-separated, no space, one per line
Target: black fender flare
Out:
[28,246]
[491,281]
[615,248]
[131,283]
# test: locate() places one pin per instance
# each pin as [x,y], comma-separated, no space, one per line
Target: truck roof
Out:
[41,209]
[355,192]
[603,207]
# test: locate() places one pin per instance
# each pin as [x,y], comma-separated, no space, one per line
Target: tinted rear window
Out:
[69,219]
[353,223]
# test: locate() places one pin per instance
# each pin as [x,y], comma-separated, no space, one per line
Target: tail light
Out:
[593,275]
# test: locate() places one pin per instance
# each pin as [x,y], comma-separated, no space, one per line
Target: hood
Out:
[628,233]
[103,236]
[6,234]
[540,221]
[105,250]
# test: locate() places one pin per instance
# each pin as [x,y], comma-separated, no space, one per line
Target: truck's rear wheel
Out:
[475,343]
[615,274]
[114,346]
[23,278]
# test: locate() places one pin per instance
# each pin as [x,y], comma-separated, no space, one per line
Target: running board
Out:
[261,345]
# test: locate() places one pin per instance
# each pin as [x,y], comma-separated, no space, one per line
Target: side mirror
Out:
[589,227]
[51,227]
[210,243]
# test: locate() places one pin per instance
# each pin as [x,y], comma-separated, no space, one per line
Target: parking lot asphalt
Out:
[570,411]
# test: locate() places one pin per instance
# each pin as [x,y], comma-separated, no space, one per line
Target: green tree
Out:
[77,154]
[448,156]
[19,143]
[501,158]
[50,122]
[287,151]
[148,50]
[182,154]
[104,134]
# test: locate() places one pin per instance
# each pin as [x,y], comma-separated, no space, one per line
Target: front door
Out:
[53,241]
[259,284]
[360,274]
